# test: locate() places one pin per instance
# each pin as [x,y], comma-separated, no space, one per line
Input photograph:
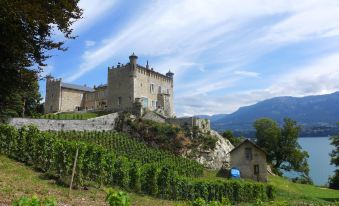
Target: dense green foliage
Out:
[166,136]
[26,34]
[48,153]
[228,134]
[202,202]
[117,198]
[34,201]
[334,180]
[123,145]
[281,145]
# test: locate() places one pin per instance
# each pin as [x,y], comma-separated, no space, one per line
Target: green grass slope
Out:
[301,193]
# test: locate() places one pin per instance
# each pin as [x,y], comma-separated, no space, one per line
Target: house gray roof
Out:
[247,140]
[77,87]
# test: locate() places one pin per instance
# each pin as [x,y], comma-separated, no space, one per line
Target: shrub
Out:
[199,202]
[117,198]
[34,201]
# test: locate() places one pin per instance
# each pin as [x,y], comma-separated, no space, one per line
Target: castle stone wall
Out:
[103,123]
[71,99]
[190,122]
[120,89]
[151,85]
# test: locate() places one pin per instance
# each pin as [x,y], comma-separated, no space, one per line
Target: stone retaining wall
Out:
[106,122]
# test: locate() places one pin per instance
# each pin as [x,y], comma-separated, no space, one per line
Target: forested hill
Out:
[317,115]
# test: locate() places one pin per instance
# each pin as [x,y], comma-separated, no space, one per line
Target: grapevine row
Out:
[126,146]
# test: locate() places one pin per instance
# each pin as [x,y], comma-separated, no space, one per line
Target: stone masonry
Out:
[103,123]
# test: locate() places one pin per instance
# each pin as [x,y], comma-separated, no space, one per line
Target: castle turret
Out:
[133,61]
[170,74]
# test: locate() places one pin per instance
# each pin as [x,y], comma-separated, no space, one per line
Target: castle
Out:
[126,85]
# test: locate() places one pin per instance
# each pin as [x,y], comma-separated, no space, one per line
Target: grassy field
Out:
[17,180]
[300,193]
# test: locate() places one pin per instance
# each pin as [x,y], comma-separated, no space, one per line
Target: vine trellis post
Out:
[73,171]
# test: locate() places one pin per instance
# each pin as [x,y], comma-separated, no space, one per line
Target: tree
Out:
[228,134]
[26,30]
[334,180]
[281,145]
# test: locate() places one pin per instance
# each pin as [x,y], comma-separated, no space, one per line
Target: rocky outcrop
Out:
[218,157]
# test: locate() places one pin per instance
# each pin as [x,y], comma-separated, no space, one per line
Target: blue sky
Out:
[225,53]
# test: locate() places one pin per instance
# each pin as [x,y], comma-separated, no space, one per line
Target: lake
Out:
[318,149]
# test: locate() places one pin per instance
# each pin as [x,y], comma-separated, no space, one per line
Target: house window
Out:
[152,88]
[256,169]
[119,101]
[248,153]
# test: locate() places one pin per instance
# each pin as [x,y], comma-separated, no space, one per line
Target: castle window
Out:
[119,101]
[167,91]
[145,102]
[159,89]
[154,103]
[152,88]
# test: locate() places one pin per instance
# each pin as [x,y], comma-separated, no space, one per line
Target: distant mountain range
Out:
[317,115]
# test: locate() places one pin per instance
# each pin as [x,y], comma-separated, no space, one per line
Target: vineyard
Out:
[123,145]
[54,154]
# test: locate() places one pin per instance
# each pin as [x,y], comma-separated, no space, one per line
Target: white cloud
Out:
[89,43]
[315,19]
[246,73]
[93,10]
